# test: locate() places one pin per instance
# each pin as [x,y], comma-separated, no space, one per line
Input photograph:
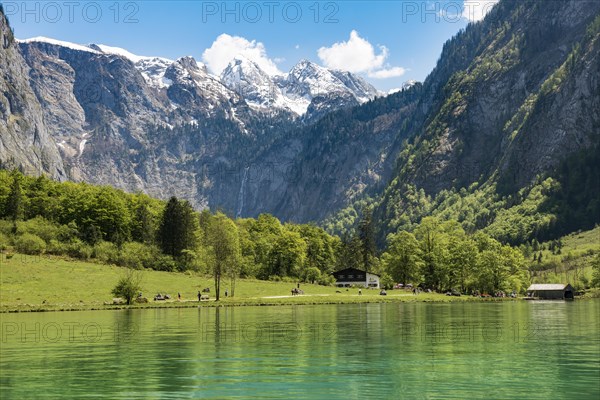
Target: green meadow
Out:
[30,283]
[573,263]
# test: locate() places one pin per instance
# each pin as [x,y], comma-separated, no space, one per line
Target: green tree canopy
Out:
[178,228]
[222,238]
[403,258]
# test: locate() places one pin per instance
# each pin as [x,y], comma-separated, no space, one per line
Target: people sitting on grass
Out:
[296,291]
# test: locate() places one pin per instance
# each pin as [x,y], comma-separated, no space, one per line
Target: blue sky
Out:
[387,42]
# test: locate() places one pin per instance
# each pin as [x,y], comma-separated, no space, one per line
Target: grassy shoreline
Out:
[40,284]
[267,302]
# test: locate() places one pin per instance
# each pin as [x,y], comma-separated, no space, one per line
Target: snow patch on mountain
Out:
[152,68]
[118,52]
[69,45]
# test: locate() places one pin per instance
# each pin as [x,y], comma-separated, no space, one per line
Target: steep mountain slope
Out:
[25,142]
[310,172]
[104,111]
[510,95]
[510,99]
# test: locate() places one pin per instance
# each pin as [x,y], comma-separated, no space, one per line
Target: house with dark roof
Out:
[551,291]
[355,277]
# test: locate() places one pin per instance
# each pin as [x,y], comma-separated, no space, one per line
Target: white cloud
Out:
[226,47]
[297,46]
[387,73]
[476,10]
[357,55]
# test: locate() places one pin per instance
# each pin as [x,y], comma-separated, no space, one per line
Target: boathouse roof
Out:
[548,286]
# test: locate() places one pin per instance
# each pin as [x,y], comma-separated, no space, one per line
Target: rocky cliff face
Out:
[521,102]
[25,141]
[135,123]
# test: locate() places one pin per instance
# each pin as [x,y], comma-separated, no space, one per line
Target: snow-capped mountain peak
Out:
[310,79]
[293,92]
[408,84]
[247,78]
[258,88]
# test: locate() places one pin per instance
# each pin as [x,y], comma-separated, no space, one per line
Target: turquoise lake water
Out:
[534,350]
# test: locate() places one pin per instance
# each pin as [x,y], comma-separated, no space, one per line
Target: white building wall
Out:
[372,280]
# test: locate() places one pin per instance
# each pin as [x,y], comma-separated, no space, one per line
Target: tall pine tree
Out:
[143,229]
[366,234]
[178,228]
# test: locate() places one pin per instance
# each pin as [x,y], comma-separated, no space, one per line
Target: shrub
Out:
[56,248]
[30,244]
[137,255]
[41,227]
[326,280]
[312,274]
[128,286]
[190,260]
[6,227]
[78,249]
[4,241]
[132,255]
[596,272]
[386,281]
[106,252]
[163,263]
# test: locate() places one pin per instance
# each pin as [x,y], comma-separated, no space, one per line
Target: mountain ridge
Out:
[153,69]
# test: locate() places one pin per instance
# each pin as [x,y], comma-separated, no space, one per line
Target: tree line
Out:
[107,225]
[103,224]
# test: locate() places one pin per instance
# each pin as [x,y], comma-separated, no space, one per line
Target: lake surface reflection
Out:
[539,350]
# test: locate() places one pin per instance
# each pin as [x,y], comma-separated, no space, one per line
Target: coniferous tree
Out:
[348,253]
[366,234]
[143,229]
[15,202]
[177,228]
